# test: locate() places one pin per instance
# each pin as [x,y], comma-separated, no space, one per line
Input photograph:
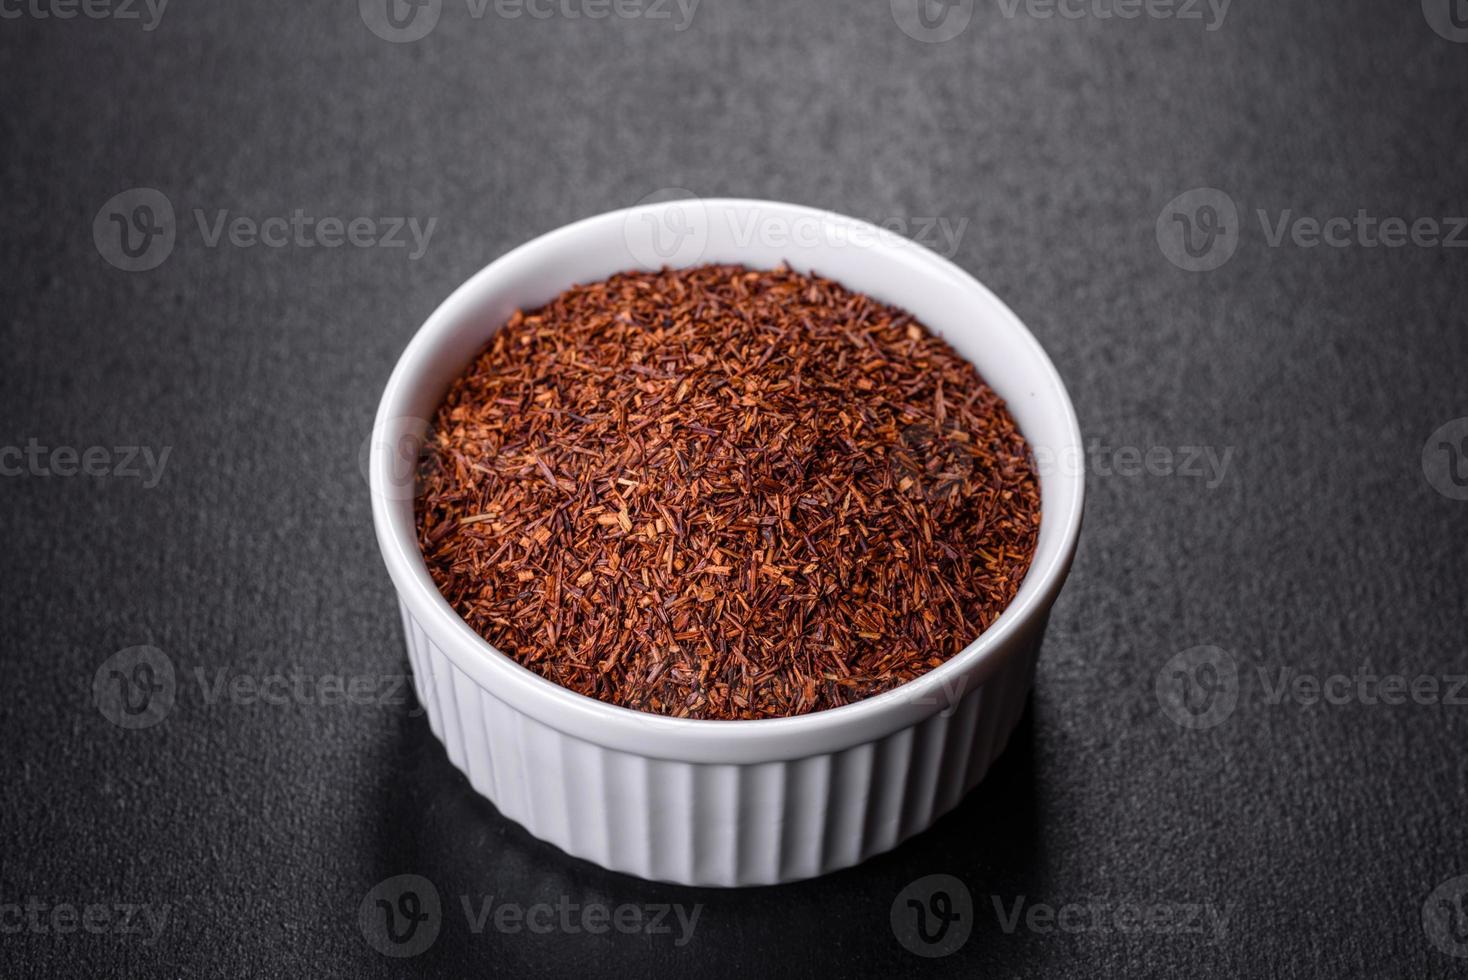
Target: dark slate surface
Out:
[1329,836]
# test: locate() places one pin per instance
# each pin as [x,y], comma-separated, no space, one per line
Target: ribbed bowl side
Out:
[716,824]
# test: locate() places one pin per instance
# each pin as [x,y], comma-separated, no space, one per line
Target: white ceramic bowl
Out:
[724,802]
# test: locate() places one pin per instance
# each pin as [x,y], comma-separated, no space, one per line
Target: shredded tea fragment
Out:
[723,493]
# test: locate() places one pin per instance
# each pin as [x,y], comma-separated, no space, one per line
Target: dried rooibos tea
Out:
[724,493]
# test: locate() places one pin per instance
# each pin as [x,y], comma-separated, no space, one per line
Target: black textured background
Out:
[1321,829]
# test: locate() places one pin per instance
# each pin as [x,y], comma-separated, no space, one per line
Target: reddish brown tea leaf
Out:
[725,493]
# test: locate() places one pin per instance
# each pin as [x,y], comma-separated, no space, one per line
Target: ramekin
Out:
[724,802]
